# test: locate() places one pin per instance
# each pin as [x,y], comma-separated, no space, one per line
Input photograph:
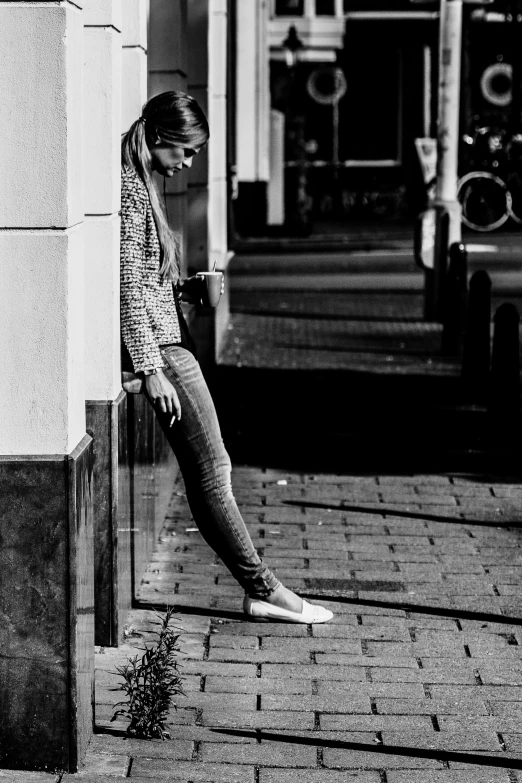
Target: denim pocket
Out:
[176,356]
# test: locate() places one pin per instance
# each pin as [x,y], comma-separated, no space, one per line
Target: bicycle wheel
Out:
[485,200]
[514,184]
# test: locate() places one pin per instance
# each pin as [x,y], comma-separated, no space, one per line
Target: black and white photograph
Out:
[261,437]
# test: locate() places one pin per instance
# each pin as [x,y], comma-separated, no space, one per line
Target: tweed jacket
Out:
[148,311]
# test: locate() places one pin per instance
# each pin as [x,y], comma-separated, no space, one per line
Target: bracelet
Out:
[154,371]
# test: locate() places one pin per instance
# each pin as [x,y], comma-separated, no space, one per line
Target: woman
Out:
[165,139]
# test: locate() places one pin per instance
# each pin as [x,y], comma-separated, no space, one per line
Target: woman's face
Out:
[168,160]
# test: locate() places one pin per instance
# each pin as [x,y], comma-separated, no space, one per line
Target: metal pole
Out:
[455,302]
[476,355]
[427,91]
[447,140]
[449,108]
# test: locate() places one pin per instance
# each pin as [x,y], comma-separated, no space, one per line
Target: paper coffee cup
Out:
[211,286]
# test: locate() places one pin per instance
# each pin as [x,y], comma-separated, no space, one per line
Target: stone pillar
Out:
[207,224]
[105,401]
[46,568]
[103,71]
[252,116]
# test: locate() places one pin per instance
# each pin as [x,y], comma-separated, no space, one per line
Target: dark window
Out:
[381,5]
[289,7]
[370,114]
[325,7]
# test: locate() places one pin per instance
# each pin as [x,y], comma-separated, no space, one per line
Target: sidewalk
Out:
[421,664]
[364,486]
[353,237]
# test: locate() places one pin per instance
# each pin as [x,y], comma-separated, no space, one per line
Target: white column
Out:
[309,8]
[42,399]
[217,117]
[134,74]
[103,73]
[276,183]
[253,92]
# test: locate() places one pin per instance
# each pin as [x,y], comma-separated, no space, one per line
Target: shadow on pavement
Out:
[391,512]
[349,422]
[389,750]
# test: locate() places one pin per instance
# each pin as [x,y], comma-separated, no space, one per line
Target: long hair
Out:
[170,118]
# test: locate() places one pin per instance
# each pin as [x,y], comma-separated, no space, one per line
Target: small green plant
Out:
[150,684]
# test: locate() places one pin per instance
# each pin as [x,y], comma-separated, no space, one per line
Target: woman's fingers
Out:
[176,406]
[160,402]
[171,404]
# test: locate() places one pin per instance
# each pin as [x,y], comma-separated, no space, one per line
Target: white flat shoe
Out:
[261,610]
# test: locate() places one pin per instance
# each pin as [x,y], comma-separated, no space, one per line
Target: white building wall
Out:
[103,79]
[42,408]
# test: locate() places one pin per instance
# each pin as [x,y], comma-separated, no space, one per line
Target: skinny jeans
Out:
[206,469]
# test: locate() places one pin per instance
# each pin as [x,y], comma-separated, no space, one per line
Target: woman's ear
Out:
[153,138]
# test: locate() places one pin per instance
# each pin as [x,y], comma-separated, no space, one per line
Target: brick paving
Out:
[420,668]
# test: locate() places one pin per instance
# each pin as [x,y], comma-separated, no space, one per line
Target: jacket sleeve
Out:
[136,329]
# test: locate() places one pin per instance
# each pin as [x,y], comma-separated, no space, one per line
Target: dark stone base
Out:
[46,610]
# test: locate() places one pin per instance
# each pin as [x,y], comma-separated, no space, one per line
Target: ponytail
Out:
[135,154]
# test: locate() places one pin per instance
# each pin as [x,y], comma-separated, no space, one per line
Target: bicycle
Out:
[492,194]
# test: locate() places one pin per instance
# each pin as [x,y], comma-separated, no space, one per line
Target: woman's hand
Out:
[163,394]
[191,290]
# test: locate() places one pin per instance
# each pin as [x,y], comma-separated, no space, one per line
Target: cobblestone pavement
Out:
[417,679]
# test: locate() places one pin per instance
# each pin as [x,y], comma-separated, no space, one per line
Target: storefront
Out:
[352,113]
[352,84]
